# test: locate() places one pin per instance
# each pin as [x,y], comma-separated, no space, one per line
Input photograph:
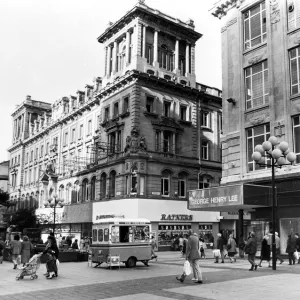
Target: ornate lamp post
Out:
[280,155]
[54,203]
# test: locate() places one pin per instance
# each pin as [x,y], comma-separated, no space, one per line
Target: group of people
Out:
[224,246]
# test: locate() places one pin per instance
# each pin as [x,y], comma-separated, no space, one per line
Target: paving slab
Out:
[141,296]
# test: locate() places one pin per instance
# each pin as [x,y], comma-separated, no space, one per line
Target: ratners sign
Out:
[215,197]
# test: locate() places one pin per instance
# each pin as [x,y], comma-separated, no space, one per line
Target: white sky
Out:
[49,48]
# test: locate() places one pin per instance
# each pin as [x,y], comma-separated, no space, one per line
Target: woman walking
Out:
[231,248]
[265,251]
[16,247]
[290,249]
[242,245]
[202,245]
[52,252]
[26,250]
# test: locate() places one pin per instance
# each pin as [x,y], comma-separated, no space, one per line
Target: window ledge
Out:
[295,96]
[184,122]
[151,114]
[293,30]
[124,114]
[256,108]
[255,48]
[205,128]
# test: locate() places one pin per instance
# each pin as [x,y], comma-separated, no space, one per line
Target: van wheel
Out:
[131,262]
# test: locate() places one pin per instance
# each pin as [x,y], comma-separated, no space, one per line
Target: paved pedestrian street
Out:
[157,282]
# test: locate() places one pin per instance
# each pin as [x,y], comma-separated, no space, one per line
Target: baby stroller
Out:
[30,268]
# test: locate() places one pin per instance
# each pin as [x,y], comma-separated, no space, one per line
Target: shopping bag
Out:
[296,255]
[57,262]
[187,268]
[216,253]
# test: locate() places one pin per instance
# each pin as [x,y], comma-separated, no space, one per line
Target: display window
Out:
[130,234]
[168,234]
[287,227]
[205,233]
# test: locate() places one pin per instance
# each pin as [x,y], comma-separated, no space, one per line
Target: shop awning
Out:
[230,198]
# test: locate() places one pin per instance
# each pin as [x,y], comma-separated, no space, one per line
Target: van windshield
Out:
[130,234]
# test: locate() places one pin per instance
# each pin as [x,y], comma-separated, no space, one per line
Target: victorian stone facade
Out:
[260,56]
[144,131]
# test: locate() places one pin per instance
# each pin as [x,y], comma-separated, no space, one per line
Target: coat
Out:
[220,243]
[251,246]
[26,251]
[291,245]
[231,245]
[265,253]
[192,248]
[16,247]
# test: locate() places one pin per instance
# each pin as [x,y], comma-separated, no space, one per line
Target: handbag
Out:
[216,253]
[296,255]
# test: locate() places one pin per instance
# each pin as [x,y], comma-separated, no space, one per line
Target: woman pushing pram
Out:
[52,252]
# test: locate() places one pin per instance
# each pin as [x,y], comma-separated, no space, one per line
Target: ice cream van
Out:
[118,238]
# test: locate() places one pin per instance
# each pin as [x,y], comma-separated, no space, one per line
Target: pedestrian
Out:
[153,247]
[221,246]
[26,250]
[291,248]
[231,248]
[62,242]
[185,240]
[68,241]
[52,252]
[242,245]
[265,253]
[180,243]
[250,249]
[202,245]
[298,246]
[16,247]
[2,247]
[75,245]
[193,256]
[277,242]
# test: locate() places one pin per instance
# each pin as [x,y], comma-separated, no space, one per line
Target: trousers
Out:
[251,259]
[196,268]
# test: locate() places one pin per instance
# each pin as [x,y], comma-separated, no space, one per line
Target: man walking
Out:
[277,242]
[250,249]
[193,256]
[221,246]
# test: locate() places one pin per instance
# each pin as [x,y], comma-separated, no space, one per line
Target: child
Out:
[202,247]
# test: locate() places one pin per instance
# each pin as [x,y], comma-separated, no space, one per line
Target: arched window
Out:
[103,185]
[26,204]
[68,193]
[22,202]
[166,58]
[204,181]
[182,179]
[42,199]
[75,192]
[61,192]
[122,55]
[93,188]
[134,181]
[112,183]
[165,184]
[85,190]
[37,199]
[31,201]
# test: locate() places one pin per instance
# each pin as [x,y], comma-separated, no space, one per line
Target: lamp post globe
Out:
[260,149]
[256,156]
[283,146]
[273,140]
[281,161]
[291,157]
[267,145]
[276,153]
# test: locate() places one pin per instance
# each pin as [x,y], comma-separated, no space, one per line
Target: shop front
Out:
[170,219]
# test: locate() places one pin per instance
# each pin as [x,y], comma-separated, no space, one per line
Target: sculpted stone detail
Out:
[258,119]
[275,11]
[254,60]
[135,142]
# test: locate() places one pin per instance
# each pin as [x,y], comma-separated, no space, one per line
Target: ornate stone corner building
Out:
[134,142]
[261,52]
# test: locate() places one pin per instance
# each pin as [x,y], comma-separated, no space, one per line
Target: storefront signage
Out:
[205,227]
[215,197]
[100,217]
[165,217]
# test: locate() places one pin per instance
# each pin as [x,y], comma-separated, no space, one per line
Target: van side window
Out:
[106,234]
[94,235]
[100,235]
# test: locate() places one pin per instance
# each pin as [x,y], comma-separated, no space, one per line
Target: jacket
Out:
[16,247]
[52,248]
[231,245]
[220,243]
[192,248]
[291,245]
[251,246]
[26,251]
[265,252]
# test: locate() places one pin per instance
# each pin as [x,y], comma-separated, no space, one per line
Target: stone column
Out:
[161,146]
[108,60]
[127,47]
[176,65]
[155,48]
[144,40]
[15,129]
[192,59]
[114,58]
[187,59]
[241,223]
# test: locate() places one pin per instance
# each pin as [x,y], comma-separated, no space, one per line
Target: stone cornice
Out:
[141,10]
[221,8]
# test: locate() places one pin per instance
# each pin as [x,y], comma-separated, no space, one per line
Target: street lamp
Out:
[54,203]
[280,156]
